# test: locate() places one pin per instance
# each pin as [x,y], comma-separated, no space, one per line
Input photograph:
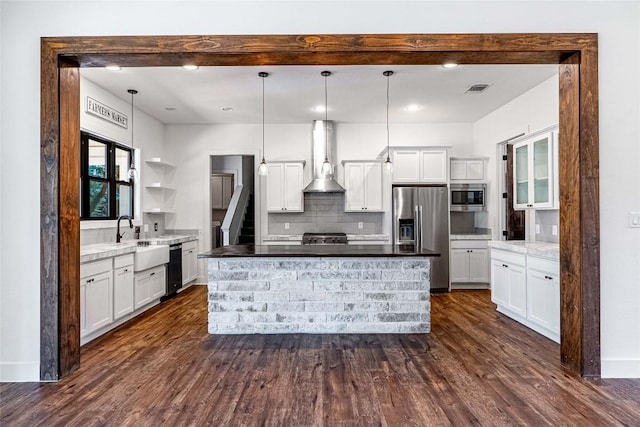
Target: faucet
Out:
[118,235]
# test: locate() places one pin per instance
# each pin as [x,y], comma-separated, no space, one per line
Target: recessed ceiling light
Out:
[449,65]
[170,108]
[318,109]
[190,67]
[113,67]
[413,107]
[227,109]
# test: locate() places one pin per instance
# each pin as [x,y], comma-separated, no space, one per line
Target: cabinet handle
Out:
[548,277]
[126,270]
[90,280]
[505,265]
[152,274]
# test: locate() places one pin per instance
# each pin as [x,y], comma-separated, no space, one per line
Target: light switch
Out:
[286,225]
[146,228]
[634,219]
[360,225]
[554,230]
[537,228]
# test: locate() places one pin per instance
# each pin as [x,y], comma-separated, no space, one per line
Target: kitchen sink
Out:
[150,256]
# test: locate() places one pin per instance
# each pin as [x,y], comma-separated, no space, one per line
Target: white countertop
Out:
[541,249]
[351,237]
[110,249]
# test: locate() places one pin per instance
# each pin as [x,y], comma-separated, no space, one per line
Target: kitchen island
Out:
[318,289]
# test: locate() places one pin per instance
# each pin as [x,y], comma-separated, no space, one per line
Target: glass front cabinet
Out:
[534,172]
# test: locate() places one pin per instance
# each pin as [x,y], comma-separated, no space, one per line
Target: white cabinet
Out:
[363,186]
[189,262]
[534,172]
[122,286]
[149,285]
[96,303]
[284,187]
[416,165]
[527,289]
[509,281]
[467,169]
[543,295]
[469,261]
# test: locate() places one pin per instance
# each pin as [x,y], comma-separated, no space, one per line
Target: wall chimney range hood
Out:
[323,146]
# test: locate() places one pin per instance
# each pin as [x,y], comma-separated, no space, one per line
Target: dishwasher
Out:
[174,270]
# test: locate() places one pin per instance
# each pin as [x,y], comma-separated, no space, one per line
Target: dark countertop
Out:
[237,251]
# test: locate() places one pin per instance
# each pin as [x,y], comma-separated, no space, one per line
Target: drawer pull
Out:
[90,280]
[152,274]
[548,277]
[505,265]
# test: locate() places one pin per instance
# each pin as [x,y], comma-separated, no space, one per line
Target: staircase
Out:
[248,230]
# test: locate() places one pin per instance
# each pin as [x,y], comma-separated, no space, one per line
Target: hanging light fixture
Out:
[326,169]
[388,166]
[263,169]
[133,173]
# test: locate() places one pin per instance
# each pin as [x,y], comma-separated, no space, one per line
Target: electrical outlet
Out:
[155,226]
[146,228]
[360,226]
[634,219]
[537,228]
[554,230]
[286,225]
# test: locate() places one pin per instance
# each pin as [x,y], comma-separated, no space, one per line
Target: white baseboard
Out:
[620,368]
[19,372]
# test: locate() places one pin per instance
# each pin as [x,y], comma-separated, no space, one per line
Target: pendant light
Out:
[327,169]
[133,173]
[263,169]
[388,166]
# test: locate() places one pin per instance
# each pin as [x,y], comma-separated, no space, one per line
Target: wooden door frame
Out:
[576,54]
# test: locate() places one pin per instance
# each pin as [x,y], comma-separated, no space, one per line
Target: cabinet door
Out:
[475,169]
[543,300]
[141,291]
[406,166]
[542,178]
[354,183]
[122,292]
[193,264]
[186,274]
[83,308]
[521,175]
[517,290]
[158,283]
[373,186]
[216,192]
[499,283]
[99,308]
[275,187]
[433,166]
[458,169]
[459,265]
[479,265]
[292,193]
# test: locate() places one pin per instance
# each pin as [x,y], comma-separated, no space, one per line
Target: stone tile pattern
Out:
[319,295]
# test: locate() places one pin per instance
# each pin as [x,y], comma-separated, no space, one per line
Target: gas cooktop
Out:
[324,239]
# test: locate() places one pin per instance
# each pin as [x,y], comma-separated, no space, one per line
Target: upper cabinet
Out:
[419,165]
[284,187]
[467,169]
[535,172]
[363,185]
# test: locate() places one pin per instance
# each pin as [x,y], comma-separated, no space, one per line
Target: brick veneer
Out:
[319,295]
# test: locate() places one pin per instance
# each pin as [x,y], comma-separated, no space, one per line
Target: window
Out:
[105,189]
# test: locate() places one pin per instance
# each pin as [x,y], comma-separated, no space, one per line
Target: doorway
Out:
[576,55]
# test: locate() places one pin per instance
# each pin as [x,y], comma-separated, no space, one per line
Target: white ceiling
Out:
[356,94]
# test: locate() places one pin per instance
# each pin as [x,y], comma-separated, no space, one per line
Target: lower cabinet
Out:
[526,288]
[149,285]
[96,303]
[122,286]
[189,262]
[469,261]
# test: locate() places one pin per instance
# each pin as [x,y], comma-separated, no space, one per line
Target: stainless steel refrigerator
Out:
[421,218]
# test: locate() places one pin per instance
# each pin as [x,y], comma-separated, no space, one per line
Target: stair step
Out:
[246,240]
[248,231]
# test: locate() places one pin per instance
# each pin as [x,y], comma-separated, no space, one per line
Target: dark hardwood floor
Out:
[476,367]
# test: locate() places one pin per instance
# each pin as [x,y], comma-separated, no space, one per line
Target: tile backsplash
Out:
[547,220]
[324,212]
[90,236]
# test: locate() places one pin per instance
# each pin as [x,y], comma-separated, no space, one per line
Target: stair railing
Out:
[232,223]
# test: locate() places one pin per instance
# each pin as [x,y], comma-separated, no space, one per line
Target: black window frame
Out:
[110,179]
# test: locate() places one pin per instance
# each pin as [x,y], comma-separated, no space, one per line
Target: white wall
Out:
[23,23]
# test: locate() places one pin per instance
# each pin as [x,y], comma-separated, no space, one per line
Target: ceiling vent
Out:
[477,88]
